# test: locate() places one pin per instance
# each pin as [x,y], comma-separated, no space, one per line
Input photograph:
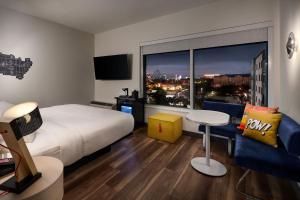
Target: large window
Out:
[229,67]
[233,74]
[167,78]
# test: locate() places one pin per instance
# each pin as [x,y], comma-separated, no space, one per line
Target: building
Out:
[231,79]
[259,80]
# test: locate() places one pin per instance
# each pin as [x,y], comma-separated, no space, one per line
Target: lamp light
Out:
[17,122]
[291,45]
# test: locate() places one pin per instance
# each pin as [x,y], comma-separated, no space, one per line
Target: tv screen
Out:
[117,67]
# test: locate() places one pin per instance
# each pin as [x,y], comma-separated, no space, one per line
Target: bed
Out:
[70,132]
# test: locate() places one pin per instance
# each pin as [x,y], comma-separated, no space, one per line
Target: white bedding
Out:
[54,139]
[72,131]
[90,128]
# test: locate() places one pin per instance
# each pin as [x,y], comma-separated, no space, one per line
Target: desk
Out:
[136,106]
[206,165]
[48,187]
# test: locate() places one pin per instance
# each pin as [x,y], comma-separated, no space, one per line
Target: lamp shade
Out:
[26,118]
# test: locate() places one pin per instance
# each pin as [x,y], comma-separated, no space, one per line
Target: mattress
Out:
[70,132]
[54,139]
[82,130]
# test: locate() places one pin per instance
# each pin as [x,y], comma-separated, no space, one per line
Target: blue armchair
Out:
[283,161]
[229,131]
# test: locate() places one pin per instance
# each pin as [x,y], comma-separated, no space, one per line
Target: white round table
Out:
[206,165]
[49,187]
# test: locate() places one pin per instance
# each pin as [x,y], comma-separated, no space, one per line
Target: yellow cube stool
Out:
[166,127]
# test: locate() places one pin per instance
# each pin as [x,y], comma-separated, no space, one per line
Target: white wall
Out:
[290,68]
[218,15]
[223,14]
[62,70]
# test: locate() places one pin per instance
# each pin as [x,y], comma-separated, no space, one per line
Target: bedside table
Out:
[49,187]
[135,106]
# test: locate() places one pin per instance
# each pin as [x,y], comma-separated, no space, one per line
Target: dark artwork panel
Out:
[12,66]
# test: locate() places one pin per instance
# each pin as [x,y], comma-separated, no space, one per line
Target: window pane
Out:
[167,80]
[231,74]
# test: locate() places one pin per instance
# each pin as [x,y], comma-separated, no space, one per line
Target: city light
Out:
[171,88]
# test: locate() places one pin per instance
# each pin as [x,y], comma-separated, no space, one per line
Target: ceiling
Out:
[96,16]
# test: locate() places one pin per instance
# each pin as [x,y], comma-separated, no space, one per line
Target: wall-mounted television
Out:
[115,67]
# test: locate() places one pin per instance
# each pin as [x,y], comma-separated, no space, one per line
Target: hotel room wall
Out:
[213,16]
[62,70]
[290,68]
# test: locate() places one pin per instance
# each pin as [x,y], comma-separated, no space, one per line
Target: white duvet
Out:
[72,131]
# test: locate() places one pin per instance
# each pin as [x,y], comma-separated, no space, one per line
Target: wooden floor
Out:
[139,167]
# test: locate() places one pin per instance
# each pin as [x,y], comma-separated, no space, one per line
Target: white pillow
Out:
[4,106]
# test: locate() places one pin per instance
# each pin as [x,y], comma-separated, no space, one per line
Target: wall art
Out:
[12,66]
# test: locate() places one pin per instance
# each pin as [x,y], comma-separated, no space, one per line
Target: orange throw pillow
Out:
[249,108]
[262,127]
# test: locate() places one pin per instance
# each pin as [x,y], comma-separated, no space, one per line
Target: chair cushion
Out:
[227,131]
[264,158]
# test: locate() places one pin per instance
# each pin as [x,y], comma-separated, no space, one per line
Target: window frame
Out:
[272,76]
[243,44]
[192,72]
[144,78]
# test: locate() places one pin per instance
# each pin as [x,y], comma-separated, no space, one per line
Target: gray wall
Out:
[290,68]
[62,70]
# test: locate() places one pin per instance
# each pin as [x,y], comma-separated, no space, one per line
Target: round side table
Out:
[48,187]
[206,165]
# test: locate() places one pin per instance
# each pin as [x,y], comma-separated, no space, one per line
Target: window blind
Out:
[226,39]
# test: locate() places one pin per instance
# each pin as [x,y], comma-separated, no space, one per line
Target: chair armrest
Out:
[289,134]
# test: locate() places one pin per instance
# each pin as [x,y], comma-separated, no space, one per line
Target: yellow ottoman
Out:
[166,127]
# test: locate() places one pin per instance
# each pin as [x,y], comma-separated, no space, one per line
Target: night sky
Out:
[221,60]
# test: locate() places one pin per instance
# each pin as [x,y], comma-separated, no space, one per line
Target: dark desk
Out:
[138,108]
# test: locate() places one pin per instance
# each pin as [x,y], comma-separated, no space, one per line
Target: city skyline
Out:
[220,60]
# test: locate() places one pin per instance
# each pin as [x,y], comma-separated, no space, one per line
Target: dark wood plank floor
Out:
[139,167]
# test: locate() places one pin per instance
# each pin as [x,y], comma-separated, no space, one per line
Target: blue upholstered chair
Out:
[283,161]
[229,131]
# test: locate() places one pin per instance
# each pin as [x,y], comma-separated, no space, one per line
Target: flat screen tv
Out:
[116,67]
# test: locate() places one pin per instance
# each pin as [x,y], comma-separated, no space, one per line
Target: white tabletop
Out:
[49,186]
[208,117]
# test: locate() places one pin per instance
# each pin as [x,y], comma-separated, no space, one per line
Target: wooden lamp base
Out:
[17,122]
[11,185]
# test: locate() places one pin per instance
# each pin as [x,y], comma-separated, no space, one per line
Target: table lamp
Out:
[17,122]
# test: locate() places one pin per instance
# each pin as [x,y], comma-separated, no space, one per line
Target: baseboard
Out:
[192,134]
